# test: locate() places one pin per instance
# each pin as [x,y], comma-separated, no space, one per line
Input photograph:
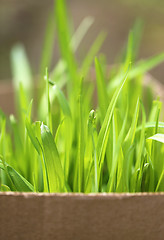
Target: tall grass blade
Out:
[105,128]
[52,161]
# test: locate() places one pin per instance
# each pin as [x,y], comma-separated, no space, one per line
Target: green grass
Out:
[82,134]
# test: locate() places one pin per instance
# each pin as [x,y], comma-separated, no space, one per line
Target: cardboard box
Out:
[81,217]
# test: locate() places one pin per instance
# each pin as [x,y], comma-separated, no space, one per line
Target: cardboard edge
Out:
[82,195]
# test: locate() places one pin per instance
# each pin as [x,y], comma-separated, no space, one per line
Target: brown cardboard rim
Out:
[68,216]
[82,195]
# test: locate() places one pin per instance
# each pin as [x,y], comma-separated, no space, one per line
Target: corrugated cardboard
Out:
[81,217]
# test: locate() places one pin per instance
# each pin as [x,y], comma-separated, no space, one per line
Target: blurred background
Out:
[25,21]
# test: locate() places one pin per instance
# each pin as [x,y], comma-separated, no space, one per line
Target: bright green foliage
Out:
[59,143]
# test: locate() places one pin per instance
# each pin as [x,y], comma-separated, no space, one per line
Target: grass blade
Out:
[101,89]
[21,69]
[48,45]
[52,161]
[157,137]
[64,38]
[92,53]
[20,183]
[81,32]
[104,132]
[145,65]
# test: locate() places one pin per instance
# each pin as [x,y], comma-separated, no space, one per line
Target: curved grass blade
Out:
[32,136]
[59,70]
[62,100]
[81,32]
[146,65]
[4,188]
[66,126]
[139,69]
[92,53]
[104,132]
[151,125]
[159,137]
[20,183]
[35,138]
[116,80]
[55,172]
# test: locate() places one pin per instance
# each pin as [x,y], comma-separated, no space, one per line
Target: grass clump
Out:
[61,144]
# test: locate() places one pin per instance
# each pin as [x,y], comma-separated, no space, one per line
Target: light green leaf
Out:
[105,128]
[159,137]
[145,65]
[92,53]
[62,100]
[52,161]
[81,32]
[20,183]
[4,188]
[32,136]
[21,69]
[65,38]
